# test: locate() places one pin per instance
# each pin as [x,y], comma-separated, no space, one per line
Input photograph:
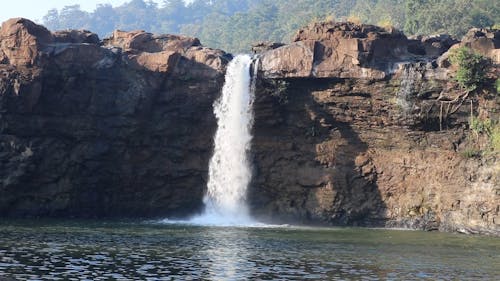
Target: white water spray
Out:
[229,168]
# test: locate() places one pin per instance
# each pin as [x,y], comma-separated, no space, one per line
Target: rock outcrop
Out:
[484,41]
[76,36]
[21,42]
[340,50]
[368,145]
[94,129]
[431,46]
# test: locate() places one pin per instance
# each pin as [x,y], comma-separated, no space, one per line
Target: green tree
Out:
[472,68]
[234,25]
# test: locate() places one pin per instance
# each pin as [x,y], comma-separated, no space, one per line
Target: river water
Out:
[87,250]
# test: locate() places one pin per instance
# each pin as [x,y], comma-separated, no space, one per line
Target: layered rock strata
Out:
[352,128]
[95,129]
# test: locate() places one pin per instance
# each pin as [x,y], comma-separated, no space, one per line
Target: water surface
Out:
[85,250]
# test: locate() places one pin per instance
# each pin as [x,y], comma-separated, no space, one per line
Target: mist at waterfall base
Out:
[229,168]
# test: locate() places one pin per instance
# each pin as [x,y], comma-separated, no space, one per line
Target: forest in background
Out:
[234,25]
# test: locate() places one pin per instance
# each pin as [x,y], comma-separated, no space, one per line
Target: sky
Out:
[36,9]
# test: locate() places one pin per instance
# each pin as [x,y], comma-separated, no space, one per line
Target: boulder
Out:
[76,36]
[484,41]
[147,42]
[202,63]
[436,45]
[184,56]
[158,62]
[345,50]
[21,41]
[294,60]
[431,46]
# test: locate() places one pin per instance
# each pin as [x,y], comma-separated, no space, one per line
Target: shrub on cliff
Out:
[472,68]
[495,138]
[489,128]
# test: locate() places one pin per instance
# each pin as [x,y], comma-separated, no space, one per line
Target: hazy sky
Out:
[36,9]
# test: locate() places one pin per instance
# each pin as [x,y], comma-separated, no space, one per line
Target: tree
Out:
[51,19]
[234,25]
[472,68]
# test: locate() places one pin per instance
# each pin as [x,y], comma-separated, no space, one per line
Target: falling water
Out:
[410,76]
[229,169]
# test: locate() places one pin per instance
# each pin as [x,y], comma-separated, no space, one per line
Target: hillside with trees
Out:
[234,25]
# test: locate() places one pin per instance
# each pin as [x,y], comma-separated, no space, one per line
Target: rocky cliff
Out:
[354,125]
[115,128]
[358,125]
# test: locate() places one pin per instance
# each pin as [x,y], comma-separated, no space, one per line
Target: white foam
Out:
[229,168]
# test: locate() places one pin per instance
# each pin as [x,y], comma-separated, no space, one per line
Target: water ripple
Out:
[182,252]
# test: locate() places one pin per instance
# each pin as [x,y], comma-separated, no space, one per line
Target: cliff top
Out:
[340,30]
[26,44]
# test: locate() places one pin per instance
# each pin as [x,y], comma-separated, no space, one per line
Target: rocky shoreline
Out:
[349,127]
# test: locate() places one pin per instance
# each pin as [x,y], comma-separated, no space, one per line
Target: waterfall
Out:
[229,167]
[410,76]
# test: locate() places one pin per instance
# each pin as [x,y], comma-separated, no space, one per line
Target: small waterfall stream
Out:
[411,73]
[229,168]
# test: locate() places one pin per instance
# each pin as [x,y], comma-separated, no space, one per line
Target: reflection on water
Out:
[126,251]
[228,254]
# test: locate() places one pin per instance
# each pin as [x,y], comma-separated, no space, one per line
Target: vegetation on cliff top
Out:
[234,25]
[472,68]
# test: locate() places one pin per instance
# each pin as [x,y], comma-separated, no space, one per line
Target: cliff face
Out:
[354,125]
[118,128]
[351,131]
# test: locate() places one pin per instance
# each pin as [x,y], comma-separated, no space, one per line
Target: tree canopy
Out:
[234,25]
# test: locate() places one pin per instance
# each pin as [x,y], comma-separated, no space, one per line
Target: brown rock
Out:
[294,60]
[484,41]
[3,58]
[431,46]
[265,46]
[21,41]
[148,42]
[76,55]
[345,152]
[164,61]
[165,53]
[202,63]
[344,50]
[76,36]
[95,131]
[436,45]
